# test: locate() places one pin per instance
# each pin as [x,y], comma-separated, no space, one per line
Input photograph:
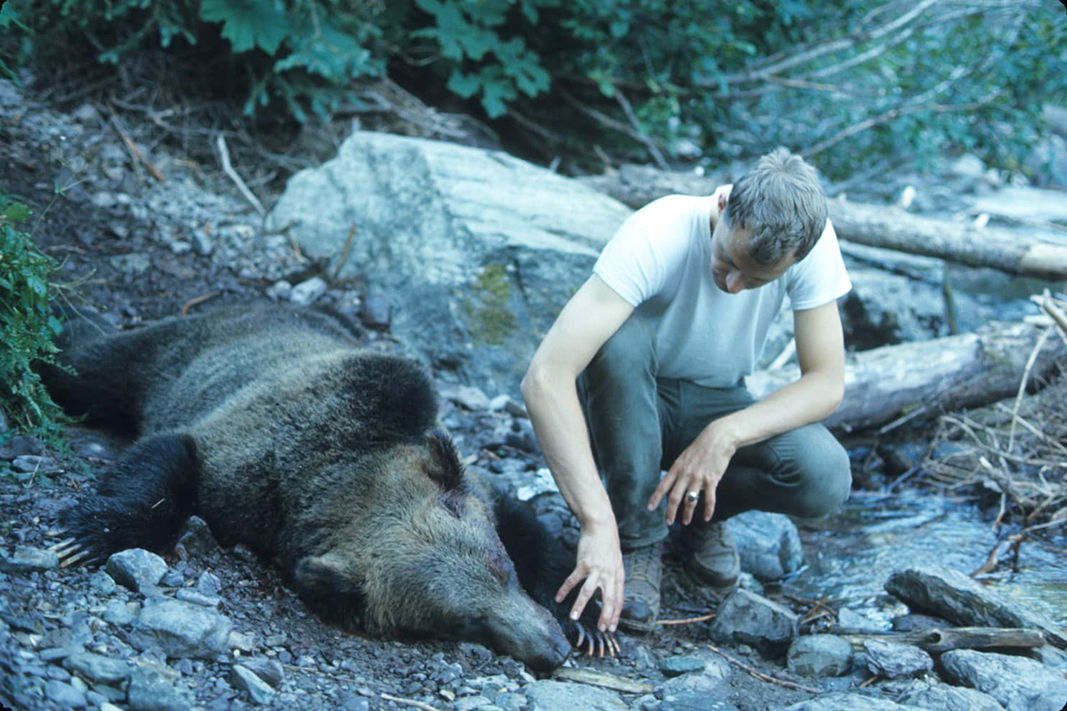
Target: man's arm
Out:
[593,314]
[813,397]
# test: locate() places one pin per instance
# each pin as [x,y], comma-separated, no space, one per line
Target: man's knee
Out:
[827,481]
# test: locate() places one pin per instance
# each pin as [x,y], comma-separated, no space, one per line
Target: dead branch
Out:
[227,167]
[760,675]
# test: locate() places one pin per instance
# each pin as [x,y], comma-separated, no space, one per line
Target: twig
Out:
[344,253]
[197,300]
[602,679]
[1022,384]
[640,133]
[409,702]
[760,675]
[688,620]
[136,153]
[224,155]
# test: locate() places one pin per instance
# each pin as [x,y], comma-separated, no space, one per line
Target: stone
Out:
[747,618]
[476,250]
[36,464]
[950,698]
[1019,684]
[20,446]
[680,664]
[151,690]
[268,670]
[819,655]
[695,692]
[767,543]
[27,559]
[196,538]
[466,396]
[893,660]
[555,695]
[244,678]
[137,569]
[848,701]
[64,694]
[181,629]
[102,583]
[307,292]
[97,668]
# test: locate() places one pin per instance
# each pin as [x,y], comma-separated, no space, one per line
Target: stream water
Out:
[849,556]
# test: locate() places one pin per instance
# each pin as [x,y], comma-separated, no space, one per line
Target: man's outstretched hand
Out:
[599,564]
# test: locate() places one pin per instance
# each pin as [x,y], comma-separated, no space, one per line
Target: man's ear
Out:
[722,201]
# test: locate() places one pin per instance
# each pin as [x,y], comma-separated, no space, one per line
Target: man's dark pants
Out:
[640,423]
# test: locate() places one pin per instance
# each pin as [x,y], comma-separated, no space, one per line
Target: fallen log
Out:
[1013,252]
[920,380]
[937,640]
[963,243]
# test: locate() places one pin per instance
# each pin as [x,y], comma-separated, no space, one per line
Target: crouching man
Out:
[643,371]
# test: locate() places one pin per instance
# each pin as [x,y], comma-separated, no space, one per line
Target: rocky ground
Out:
[142,230]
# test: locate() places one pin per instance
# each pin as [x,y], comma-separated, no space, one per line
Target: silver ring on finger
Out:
[692,496]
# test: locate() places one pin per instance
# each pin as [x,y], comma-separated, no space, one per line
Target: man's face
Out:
[732,267]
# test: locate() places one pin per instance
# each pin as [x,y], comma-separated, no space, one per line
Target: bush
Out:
[27,325]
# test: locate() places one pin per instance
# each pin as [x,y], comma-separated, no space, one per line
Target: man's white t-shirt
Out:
[659,261]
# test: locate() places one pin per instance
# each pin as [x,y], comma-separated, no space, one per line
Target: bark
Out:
[939,640]
[875,225]
[922,379]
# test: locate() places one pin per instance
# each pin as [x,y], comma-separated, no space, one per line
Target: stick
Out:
[197,300]
[224,155]
[344,253]
[939,640]
[409,702]
[689,620]
[135,152]
[1022,384]
[608,681]
[760,675]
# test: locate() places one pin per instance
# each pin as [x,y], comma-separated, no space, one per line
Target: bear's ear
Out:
[444,466]
[325,574]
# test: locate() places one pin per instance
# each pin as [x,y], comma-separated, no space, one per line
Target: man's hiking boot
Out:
[644,570]
[710,556]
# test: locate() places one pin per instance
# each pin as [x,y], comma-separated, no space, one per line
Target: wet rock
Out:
[767,543]
[893,660]
[27,559]
[844,701]
[20,446]
[951,594]
[244,678]
[181,629]
[97,668]
[819,655]
[748,618]
[950,698]
[137,569]
[1019,684]
[680,664]
[554,695]
[151,690]
[64,694]
[307,292]
[694,692]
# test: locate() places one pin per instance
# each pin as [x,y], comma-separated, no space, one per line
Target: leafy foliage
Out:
[27,325]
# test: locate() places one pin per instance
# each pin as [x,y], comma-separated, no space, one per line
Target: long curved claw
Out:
[77,556]
[62,548]
[581,637]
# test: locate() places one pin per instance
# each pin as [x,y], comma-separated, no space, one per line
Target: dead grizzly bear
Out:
[275,427]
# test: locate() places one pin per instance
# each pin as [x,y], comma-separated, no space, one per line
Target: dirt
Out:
[141,230]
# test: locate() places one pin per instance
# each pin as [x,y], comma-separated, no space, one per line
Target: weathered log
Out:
[922,379]
[963,243]
[937,640]
[884,226]
[951,595]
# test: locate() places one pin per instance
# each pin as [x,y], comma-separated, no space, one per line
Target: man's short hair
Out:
[781,204]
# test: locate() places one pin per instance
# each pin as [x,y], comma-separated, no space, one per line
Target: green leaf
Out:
[464,85]
[248,24]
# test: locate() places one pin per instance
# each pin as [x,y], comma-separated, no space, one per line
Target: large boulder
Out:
[476,250]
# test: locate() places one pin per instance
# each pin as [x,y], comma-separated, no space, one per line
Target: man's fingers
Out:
[661,489]
[584,595]
[573,579]
[709,503]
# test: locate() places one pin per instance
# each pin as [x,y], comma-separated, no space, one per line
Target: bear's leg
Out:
[542,563]
[140,503]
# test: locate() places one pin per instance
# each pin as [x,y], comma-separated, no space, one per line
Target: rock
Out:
[745,617]
[476,250]
[847,701]
[1019,684]
[466,396]
[244,678]
[27,559]
[97,668]
[680,664]
[64,694]
[102,583]
[854,621]
[196,538]
[280,290]
[21,445]
[893,660]
[695,692]
[1026,204]
[767,543]
[307,292]
[198,598]
[554,695]
[374,310]
[819,655]
[137,569]
[181,629]
[540,483]
[950,594]
[950,698]
[268,670]
[208,584]
[35,464]
[150,690]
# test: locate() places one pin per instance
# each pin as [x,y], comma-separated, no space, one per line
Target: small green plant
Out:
[27,325]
